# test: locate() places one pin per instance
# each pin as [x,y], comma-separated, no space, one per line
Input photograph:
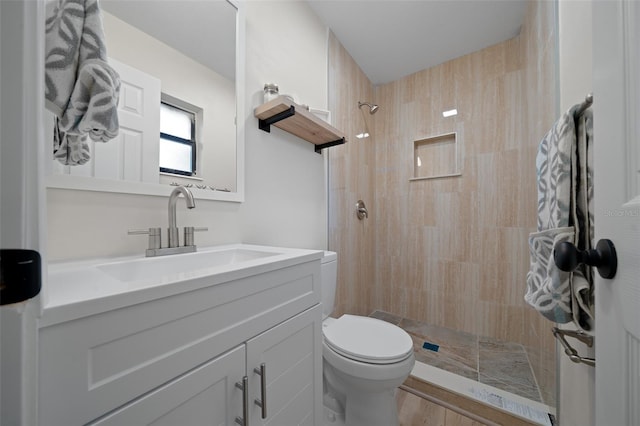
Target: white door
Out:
[133,154]
[616,41]
[136,149]
[22,200]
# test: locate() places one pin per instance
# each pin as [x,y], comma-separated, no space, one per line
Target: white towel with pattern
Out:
[565,198]
[81,89]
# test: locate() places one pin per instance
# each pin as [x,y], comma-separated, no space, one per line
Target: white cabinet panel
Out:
[132,152]
[292,354]
[106,158]
[206,396]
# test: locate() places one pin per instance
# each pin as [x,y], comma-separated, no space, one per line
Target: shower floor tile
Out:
[502,365]
[457,352]
[506,366]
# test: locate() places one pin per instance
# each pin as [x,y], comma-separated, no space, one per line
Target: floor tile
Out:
[506,366]
[543,364]
[443,360]
[503,365]
[455,348]
[512,386]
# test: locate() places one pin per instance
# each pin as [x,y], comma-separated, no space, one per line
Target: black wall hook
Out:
[567,257]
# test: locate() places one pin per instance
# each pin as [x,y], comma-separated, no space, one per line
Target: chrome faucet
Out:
[173,247]
[173,198]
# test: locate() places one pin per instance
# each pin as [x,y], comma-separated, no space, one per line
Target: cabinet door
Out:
[292,355]
[207,395]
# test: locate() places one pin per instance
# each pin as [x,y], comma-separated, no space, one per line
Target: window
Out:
[177,140]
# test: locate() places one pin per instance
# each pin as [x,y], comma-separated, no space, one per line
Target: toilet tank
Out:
[328,277]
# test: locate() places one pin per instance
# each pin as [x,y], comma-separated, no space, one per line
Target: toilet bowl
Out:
[364,361]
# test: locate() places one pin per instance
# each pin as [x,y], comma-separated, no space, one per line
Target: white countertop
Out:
[82,288]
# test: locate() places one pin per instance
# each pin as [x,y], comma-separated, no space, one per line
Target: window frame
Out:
[190,142]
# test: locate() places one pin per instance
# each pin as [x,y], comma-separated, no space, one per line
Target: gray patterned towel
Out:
[81,89]
[565,188]
[583,291]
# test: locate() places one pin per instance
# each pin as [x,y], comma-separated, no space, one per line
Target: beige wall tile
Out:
[449,251]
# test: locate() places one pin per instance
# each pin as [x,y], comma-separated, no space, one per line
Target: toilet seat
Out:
[368,340]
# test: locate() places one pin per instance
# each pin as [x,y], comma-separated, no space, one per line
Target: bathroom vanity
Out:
[211,337]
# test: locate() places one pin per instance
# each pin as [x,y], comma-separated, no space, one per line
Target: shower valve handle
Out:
[361,210]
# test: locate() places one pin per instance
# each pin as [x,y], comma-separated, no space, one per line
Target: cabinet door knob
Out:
[567,257]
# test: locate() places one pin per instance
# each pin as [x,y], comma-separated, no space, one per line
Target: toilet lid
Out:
[368,340]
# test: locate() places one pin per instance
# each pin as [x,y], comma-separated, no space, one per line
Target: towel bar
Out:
[588,101]
[569,350]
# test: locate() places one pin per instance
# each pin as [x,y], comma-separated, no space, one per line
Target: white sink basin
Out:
[164,267]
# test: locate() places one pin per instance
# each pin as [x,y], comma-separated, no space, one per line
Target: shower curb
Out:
[476,410]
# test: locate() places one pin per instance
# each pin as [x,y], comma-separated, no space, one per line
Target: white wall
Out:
[576,401]
[285,188]
[285,202]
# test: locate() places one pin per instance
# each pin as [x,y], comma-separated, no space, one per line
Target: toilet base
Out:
[359,413]
[332,418]
[379,409]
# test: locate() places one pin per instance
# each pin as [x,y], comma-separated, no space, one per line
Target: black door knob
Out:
[567,257]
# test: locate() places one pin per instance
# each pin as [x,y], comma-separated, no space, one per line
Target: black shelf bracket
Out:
[320,147]
[266,123]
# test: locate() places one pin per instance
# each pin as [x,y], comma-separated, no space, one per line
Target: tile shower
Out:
[449,252]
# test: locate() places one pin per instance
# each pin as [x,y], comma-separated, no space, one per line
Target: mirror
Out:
[190,54]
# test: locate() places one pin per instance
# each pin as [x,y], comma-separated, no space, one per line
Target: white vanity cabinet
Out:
[210,394]
[176,360]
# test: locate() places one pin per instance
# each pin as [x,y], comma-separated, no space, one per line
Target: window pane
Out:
[176,122]
[175,155]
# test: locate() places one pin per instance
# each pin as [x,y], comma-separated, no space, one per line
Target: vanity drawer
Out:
[95,364]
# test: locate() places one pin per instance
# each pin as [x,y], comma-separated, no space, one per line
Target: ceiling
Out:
[390,39]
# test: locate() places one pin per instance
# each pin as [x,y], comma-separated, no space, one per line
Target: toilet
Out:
[364,361]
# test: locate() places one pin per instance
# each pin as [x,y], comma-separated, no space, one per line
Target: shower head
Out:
[372,107]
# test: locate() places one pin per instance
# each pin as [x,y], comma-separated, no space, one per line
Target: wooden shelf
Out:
[297,120]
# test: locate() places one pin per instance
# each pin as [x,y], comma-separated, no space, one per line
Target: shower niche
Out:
[436,157]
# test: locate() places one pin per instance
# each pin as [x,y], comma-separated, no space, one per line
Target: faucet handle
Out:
[155,236]
[188,234]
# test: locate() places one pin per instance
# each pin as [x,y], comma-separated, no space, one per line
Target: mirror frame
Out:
[156,189]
